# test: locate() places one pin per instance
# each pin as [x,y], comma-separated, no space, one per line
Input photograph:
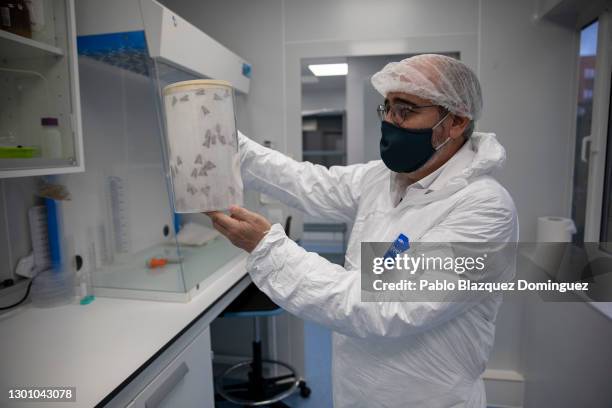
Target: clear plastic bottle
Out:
[51,139]
[41,18]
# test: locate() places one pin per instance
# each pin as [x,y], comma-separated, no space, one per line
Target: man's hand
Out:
[244,228]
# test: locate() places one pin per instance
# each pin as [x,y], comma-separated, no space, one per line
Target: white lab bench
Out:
[119,352]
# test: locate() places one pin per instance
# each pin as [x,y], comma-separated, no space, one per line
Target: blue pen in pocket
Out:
[401,244]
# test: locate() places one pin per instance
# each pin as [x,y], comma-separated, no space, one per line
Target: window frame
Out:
[599,131]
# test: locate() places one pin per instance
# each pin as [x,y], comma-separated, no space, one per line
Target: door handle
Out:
[583,148]
[167,386]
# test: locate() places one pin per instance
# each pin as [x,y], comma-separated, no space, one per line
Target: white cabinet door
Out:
[40,108]
[186,382]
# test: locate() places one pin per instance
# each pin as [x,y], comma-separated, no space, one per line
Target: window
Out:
[592,195]
[588,47]
[606,214]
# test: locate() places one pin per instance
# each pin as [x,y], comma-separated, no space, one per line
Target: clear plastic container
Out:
[202,146]
[52,288]
[42,20]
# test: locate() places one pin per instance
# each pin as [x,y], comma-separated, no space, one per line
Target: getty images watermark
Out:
[467,272]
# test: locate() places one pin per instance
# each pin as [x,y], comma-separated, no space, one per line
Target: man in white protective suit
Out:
[432,185]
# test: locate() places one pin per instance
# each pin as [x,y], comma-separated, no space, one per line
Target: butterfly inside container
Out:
[232,139]
[206,168]
[207,138]
[191,189]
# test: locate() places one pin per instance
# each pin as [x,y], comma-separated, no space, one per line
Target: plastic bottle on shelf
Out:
[51,139]
[41,18]
[36,9]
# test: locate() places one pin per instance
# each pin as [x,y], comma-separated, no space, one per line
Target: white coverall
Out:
[386,354]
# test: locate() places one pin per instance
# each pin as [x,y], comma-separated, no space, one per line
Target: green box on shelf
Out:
[14,152]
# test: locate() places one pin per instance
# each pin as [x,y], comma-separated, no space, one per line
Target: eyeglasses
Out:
[399,111]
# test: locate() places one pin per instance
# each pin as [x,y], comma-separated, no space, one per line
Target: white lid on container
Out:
[194,84]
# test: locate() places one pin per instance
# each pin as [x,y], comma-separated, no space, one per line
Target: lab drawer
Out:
[186,382]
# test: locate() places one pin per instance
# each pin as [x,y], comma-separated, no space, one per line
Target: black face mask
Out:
[405,150]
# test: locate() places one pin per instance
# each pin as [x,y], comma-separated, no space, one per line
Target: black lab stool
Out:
[258,390]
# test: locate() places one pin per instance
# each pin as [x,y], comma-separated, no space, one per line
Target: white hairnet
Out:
[443,80]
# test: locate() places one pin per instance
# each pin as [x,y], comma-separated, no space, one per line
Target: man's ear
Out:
[458,126]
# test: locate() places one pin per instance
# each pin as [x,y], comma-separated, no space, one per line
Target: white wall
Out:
[334,99]
[323,20]
[363,125]
[17,196]
[527,75]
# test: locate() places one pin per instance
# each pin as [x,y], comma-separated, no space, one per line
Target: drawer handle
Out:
[167,386]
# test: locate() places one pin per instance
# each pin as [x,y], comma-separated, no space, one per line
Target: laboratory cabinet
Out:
[323,138]
[40,121]
[185,382]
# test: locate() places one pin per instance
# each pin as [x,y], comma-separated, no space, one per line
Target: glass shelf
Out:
[35,163]
[14,46]
[170,282]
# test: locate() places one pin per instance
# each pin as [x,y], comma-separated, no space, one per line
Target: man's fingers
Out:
[242,214]
[221,229]
[215,217]
[213,214]
[226,221]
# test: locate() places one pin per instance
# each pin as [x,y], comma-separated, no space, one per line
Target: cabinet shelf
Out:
[17,47]
[36,166]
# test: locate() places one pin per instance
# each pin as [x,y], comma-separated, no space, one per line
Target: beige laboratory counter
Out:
[119,352]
